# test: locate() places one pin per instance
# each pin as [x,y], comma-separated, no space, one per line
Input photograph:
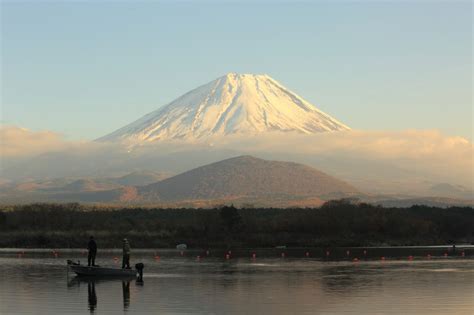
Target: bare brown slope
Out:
[246,176]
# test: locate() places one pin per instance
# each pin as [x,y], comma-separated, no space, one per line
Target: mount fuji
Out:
[232,104]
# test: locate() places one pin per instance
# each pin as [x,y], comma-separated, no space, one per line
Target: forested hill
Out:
[334,224]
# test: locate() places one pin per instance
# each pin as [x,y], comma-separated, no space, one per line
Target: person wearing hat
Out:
[126,254]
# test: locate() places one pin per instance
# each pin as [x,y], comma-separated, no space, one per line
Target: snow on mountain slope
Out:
[233,104]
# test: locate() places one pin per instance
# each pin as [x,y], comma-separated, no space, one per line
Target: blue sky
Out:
[85,68]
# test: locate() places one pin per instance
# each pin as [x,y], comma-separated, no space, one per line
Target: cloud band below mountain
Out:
[354,155]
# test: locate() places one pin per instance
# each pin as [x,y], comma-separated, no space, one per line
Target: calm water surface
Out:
[40,284]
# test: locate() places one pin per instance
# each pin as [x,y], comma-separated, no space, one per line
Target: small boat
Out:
[181,246]
[82,270]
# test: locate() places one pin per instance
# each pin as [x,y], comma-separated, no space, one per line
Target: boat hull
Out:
[102,271]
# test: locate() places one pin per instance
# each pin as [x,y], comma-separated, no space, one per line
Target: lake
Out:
[180,283]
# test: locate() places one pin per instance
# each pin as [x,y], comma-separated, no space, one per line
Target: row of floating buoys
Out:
[55,253]
[228,255]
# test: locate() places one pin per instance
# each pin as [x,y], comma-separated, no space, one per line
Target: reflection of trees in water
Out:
[349,278]
[227,270]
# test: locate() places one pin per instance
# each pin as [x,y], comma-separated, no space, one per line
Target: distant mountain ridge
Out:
[98,189]
[242,180]
[233,104]
[448,190]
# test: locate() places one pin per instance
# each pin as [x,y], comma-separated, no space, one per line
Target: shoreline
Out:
[174,250]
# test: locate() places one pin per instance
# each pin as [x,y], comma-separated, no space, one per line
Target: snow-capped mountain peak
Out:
[232,104]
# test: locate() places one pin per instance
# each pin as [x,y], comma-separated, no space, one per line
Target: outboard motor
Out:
[139,267]
[75,263]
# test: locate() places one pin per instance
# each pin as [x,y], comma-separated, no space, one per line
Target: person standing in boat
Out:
[126,254]
[92,248]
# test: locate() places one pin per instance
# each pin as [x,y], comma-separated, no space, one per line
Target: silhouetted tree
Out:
[231,218]
[3,219]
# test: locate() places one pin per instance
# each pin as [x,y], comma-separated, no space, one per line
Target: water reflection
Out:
[126,294]
[91,290]
[92,296]
[244,286]
[350,277]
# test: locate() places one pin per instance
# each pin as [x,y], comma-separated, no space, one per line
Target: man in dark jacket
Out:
[92,248]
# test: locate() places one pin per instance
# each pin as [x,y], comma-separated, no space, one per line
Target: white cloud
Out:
[407,155]
[20,142]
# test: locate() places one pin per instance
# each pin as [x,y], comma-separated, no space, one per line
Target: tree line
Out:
[336,223]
